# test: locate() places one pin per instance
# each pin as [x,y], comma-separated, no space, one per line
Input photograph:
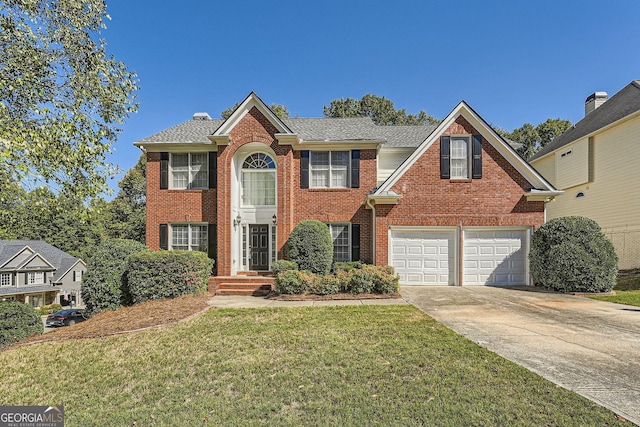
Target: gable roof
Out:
[541,186]
[619,106]
[59,259]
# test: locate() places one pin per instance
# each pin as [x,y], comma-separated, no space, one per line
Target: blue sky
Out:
[512,61]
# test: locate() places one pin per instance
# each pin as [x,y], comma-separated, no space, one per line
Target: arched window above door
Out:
[258,180]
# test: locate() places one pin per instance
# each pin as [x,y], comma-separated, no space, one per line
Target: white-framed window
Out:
[189,170]
[36,300]
[259,180]
[189,237]
[77,275]
[35,278]
[5,279]
[460,157]
[340,233]
[329,169]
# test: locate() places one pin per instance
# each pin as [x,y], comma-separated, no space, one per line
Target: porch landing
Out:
[248,283]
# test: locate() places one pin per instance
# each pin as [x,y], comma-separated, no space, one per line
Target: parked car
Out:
[66,317]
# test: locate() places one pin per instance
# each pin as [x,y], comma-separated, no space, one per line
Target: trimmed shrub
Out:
[385,280]
[369,279]
[283,265]
[571,254]
[325,285]
[346,266]
[167,274]
[103,286]
[17,322]
[294,282]
[310,246]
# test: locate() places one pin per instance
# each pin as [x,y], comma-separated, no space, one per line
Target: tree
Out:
[533,139]
[380,109]
[61,95]
[279,110]
[126,214]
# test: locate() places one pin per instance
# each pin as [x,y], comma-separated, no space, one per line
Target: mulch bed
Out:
[151,314]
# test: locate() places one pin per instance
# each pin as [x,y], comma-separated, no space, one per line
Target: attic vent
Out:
[201,116]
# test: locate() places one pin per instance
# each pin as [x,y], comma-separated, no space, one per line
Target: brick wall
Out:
[171,206]
[427,200]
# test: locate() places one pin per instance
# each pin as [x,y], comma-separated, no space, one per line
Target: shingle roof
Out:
[622,104]
[309,129]
[15,290]
[61,260]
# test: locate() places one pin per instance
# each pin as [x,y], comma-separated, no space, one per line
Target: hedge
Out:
[17,322]
[103,283]
[571,254]
[167,274]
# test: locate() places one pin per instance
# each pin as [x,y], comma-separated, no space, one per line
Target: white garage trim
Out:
[424,255]
[495,255]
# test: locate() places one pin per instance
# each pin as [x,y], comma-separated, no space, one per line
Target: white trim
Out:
[189,225]
[488,134]
[349,232]
[190,171]
[252,100]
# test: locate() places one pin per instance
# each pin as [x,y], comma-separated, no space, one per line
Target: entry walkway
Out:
[588,346]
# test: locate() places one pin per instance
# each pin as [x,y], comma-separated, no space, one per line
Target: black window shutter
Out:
[212,249]
[213,169]
[355,168]
[355,242]
[445,156]
[164,237]
[164,171]
[304,169]
[476,161]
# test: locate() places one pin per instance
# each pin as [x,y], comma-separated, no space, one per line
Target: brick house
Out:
[451,204]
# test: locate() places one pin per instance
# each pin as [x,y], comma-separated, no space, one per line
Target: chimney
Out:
[201,116]
[594,100]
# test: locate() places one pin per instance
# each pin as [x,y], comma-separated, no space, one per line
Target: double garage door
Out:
[431,257]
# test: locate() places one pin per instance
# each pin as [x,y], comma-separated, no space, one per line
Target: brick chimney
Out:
[594,100]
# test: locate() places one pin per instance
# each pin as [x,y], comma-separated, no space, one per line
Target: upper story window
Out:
[459,157]
[5,279]
[189,170]
[258,180]
[77,275]
[329,169]
[189,237]
[35,278]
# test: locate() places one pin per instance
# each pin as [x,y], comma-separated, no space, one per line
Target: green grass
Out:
[627,289]
[333,366]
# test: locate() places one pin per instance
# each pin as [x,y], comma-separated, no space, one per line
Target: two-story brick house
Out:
[451,204]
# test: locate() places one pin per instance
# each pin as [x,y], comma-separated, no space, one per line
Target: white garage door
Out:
[495,257]
[423,257]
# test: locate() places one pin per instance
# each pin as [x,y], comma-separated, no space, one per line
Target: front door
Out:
[259,247]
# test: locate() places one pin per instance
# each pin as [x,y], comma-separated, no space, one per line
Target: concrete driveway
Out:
[588,346]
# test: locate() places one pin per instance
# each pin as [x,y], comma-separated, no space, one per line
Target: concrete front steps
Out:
[245,283]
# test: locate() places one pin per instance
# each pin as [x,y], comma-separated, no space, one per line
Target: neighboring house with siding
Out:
[37,273]
[451,204]
[595,162]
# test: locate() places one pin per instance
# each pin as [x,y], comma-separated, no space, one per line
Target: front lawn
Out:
[334,366]
[627,289]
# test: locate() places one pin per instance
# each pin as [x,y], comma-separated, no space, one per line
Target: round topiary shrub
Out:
[17,322]
[310,246]
[103,285]
[571,254]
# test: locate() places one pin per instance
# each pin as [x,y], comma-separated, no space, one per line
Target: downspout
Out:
[373,229]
